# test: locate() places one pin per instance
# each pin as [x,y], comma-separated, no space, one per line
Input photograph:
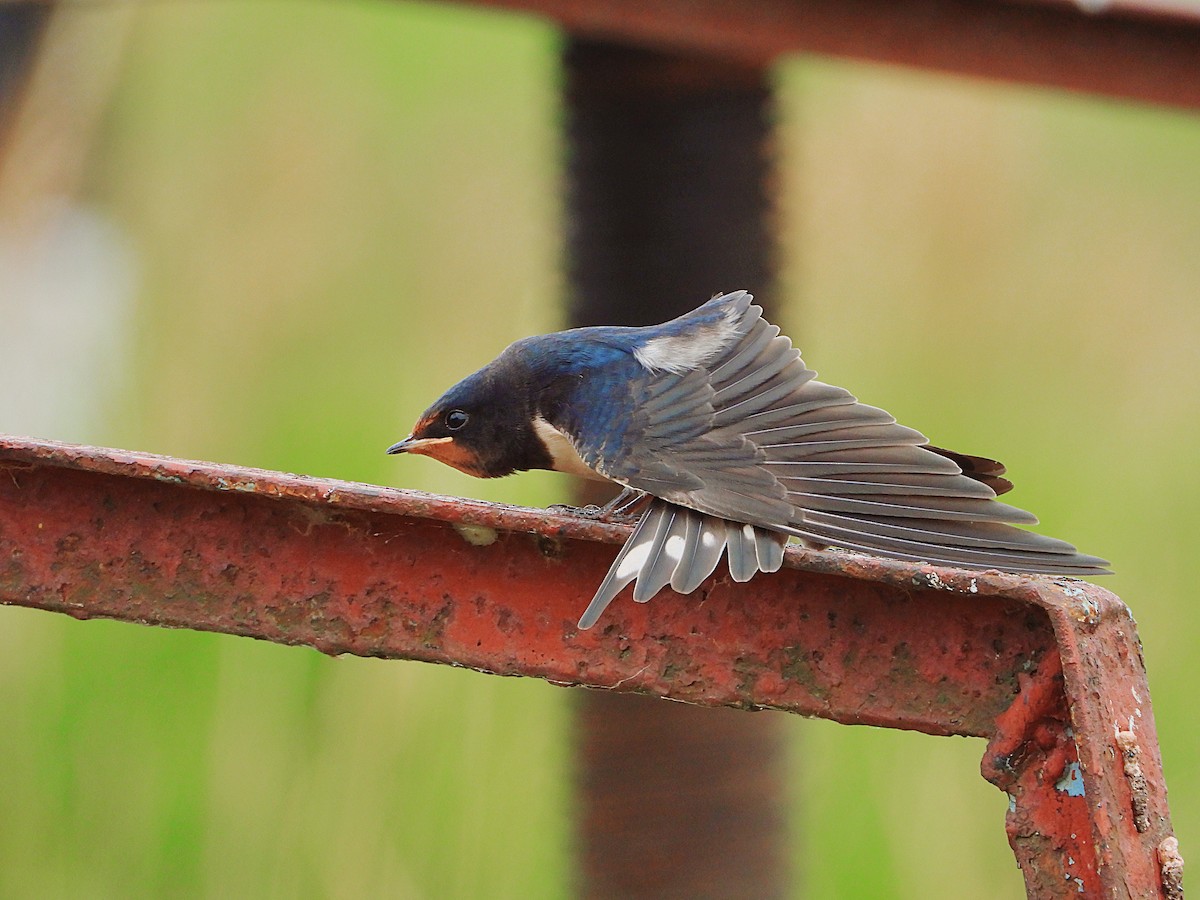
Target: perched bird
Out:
[715,416]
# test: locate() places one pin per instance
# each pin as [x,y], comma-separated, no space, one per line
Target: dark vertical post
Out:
[667,184]
[668,205]
[21,30]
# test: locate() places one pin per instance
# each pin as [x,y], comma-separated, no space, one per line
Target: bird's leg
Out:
[615,510]
[620,505]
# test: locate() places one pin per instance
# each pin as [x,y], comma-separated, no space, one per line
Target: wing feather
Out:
[964,509]
[1011,550]
[900,484]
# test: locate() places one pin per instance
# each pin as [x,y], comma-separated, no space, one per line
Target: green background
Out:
[333,210]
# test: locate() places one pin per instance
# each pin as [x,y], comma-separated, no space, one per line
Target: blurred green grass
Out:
[339,209]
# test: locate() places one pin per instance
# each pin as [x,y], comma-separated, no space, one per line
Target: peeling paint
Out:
[1085,610]
[1071,782]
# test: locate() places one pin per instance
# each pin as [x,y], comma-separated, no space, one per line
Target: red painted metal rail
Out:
[1049,670]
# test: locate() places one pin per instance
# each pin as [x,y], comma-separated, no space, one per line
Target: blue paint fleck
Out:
[1012,803]
[1071,781]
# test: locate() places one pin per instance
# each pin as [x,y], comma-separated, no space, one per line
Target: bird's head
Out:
[484,424]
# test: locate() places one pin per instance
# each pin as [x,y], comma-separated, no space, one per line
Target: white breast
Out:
[562,451]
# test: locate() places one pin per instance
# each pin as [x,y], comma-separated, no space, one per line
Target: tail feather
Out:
[743,556]
[681,547]
[625,567]
[664,555]
[706,554]
[769,547]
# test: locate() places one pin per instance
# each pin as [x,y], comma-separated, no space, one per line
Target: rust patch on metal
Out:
[1172,868]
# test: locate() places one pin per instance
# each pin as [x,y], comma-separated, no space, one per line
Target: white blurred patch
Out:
[66,302]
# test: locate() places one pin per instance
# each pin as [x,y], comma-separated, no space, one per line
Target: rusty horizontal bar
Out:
[351,568]
[1146,51]
[1049,669]
[1139,51]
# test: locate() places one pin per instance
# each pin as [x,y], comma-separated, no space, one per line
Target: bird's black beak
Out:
[415,445]
[401,446]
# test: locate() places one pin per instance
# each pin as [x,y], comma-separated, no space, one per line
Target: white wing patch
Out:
[679,354]
[562,451]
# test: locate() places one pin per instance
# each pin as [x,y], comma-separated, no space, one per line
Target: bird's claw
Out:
[591,511]
[609,513]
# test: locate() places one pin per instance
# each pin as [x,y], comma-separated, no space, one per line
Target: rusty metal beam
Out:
[1049,670]
[1141,51]
[1145,50]
[351,568]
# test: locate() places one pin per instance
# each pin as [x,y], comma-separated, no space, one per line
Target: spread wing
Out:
[671,445]
[748,434]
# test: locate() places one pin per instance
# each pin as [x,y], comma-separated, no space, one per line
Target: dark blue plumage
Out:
[716,417]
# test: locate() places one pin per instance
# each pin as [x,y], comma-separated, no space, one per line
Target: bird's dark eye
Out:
[456,419]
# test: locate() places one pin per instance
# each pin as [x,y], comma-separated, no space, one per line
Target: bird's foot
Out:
[619,510]
[591,511]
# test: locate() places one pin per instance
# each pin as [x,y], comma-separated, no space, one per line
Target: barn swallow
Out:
[717,419]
